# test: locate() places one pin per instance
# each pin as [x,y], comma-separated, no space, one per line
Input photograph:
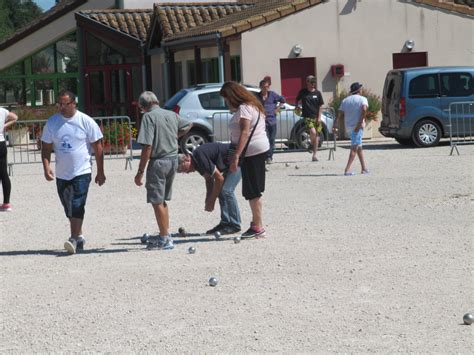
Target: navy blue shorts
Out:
[73,195]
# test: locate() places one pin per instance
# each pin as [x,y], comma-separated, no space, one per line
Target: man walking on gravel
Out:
[73,136]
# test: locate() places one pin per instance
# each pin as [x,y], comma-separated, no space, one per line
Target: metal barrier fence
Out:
[24,140]
[461,124]
[291,131]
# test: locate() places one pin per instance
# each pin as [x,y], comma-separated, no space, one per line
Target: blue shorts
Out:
[73,195]
[356,137]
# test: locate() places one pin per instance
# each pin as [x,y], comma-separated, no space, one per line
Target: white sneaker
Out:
[71,245]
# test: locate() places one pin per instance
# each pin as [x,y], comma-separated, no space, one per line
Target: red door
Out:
[293,73]
[409,60]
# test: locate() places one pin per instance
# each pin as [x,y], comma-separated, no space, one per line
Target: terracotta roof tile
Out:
[133,22]
[461,6]
[251,16]
[178,18]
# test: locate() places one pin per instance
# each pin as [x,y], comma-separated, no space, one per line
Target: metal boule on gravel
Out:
[297,167]
[182,232]
[217,235]
[144,238]
[287,165]
[468,318]
[213,281]
[191,250]
[236,240]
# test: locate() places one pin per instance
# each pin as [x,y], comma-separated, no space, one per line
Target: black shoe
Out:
[215,229]
[229,230]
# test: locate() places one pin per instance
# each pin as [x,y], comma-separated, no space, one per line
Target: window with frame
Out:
[424,86]
[212,101]
[456,84]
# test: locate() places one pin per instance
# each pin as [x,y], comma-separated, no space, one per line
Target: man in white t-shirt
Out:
[353,109]
[73,135]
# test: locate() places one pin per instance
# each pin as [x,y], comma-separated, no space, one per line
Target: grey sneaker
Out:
[162,243]
[80,242]
[71,246]
[252,233]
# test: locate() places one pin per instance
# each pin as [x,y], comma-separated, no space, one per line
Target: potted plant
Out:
[117,136]
[374,101]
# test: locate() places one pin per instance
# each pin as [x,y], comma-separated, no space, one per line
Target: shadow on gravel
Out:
[60,253]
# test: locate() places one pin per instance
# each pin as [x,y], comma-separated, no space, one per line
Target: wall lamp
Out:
[297,49]
[409,44]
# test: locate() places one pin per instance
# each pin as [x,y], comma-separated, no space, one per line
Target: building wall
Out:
[47,34]
[361,35]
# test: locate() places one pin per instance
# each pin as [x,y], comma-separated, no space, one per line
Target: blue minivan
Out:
[416,103]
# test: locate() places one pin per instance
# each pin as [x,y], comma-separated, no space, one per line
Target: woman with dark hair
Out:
[249,138]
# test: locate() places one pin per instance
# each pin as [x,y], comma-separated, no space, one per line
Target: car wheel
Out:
[426,133]
[191,140]
[404,141]
[303,139]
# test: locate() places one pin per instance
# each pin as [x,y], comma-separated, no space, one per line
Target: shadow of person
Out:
[60,253]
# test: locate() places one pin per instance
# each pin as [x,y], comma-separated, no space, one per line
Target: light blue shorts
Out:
[356,137]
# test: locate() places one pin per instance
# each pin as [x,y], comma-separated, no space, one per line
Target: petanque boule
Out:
[144,238]
[213,281]
[297,167]
[191,250]
[236,240]
[468,318]
[182,232]
[217,235]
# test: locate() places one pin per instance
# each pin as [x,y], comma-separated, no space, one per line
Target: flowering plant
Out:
[374,103]
[118,133]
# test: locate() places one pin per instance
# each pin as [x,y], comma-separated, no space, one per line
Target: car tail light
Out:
[176,108]
[402,108]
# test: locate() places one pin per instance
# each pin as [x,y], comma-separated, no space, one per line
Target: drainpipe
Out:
[220,47]
[119,4]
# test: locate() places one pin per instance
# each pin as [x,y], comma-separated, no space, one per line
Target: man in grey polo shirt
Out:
[159,132]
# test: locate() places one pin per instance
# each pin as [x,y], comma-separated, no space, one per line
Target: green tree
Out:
[16,14]
[6,26]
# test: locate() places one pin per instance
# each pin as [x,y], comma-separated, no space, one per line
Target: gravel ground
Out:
[378,263]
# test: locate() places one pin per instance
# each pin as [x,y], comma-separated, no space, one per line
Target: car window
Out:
[212,101]
[173,101]
[424,86]
[456,84]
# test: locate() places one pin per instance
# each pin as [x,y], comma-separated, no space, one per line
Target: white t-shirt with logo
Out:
[259,142]
[3,117]
[72,138]
[352,108]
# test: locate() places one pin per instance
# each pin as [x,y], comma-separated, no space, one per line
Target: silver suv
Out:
[203,105]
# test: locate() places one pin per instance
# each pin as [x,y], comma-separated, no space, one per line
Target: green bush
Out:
[375,104]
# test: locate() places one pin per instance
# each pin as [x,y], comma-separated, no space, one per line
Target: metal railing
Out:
[461,124]
[291,131]
[24,140]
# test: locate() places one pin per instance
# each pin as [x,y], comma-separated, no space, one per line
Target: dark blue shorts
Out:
[73,195]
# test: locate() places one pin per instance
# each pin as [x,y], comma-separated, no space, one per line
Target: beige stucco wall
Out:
[47,34]
[360,34]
